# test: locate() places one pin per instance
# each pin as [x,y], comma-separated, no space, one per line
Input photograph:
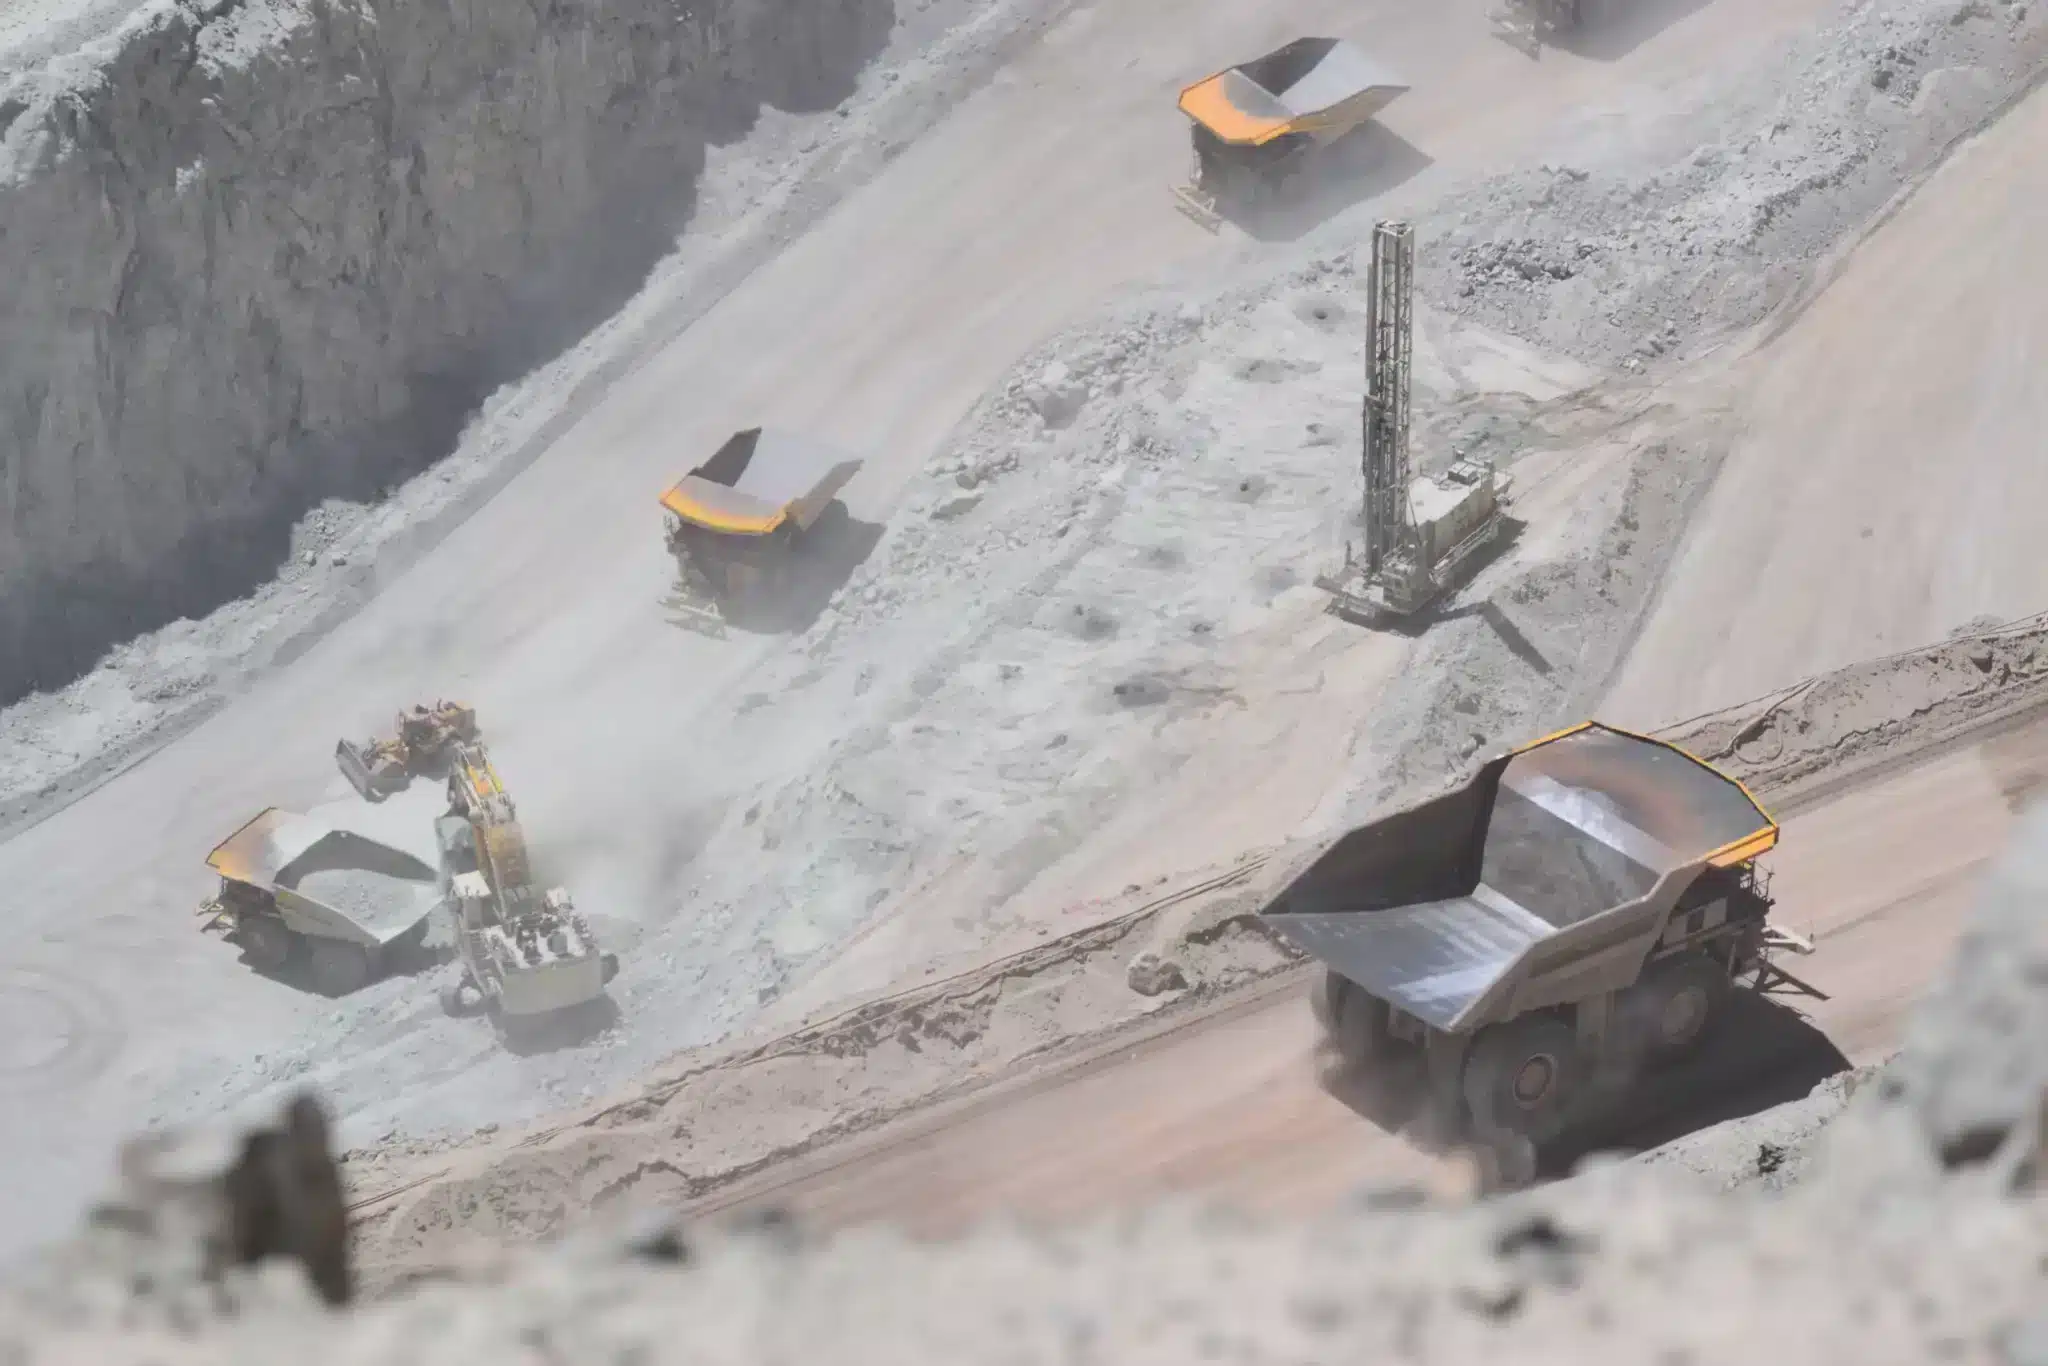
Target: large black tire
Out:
[265,942]
[461,999]
[1325,995]
[1521,1077]
[1677,1004]
[336,966]
[1362,1036]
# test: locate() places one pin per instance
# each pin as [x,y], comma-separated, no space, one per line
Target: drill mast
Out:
[1410,555]
[1389,348]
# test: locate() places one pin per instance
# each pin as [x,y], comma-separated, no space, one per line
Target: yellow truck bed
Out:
[1320,87]
[759,480]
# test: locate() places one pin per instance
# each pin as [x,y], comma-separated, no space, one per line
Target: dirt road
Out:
[1030,204]
[1233,1103]
[1895,427]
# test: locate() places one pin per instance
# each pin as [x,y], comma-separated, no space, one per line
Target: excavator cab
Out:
[470,897]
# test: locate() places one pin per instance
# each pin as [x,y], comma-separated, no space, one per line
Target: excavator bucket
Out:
[373,773]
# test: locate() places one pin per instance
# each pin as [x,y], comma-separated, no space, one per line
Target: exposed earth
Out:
[937,905]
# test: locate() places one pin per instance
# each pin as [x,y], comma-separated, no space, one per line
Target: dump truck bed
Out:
[327,880]
[1311,85]
[760,479]
[1551,870]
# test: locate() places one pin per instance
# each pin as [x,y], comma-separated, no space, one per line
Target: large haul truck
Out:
[1583,905]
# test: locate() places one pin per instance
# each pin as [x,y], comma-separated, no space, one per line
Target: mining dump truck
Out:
[734,523]
[526,954]
[1257,124]
[1528,24]
[1577,909]
[293,888]
[420,742]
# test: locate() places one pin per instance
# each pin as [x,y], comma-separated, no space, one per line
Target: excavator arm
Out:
[476,792]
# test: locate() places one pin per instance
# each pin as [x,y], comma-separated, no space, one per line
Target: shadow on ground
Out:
[413,958]
[564,1029]
[1366,162]
[825,559]
[1764,1054]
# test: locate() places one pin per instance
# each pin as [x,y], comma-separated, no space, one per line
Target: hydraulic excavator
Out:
[525,952]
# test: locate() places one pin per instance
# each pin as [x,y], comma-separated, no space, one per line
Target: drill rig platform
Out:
[1421,534]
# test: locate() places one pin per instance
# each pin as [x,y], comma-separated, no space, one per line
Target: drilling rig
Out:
[1420,533]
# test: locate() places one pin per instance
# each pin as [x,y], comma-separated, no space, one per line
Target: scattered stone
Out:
[1152,975]
[959,505]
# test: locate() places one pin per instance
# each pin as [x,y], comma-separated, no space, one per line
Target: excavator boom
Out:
[477,793]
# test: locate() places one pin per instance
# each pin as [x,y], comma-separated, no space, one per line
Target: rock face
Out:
[263,252]
[1974,1077]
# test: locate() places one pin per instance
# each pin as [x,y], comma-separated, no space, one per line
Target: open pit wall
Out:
[267,252]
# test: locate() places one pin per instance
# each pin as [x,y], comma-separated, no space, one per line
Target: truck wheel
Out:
[338,967]
[461,999]
[1361,1035]
[1521,1075]
[266,943]
[1679,1001]
[1325,996]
